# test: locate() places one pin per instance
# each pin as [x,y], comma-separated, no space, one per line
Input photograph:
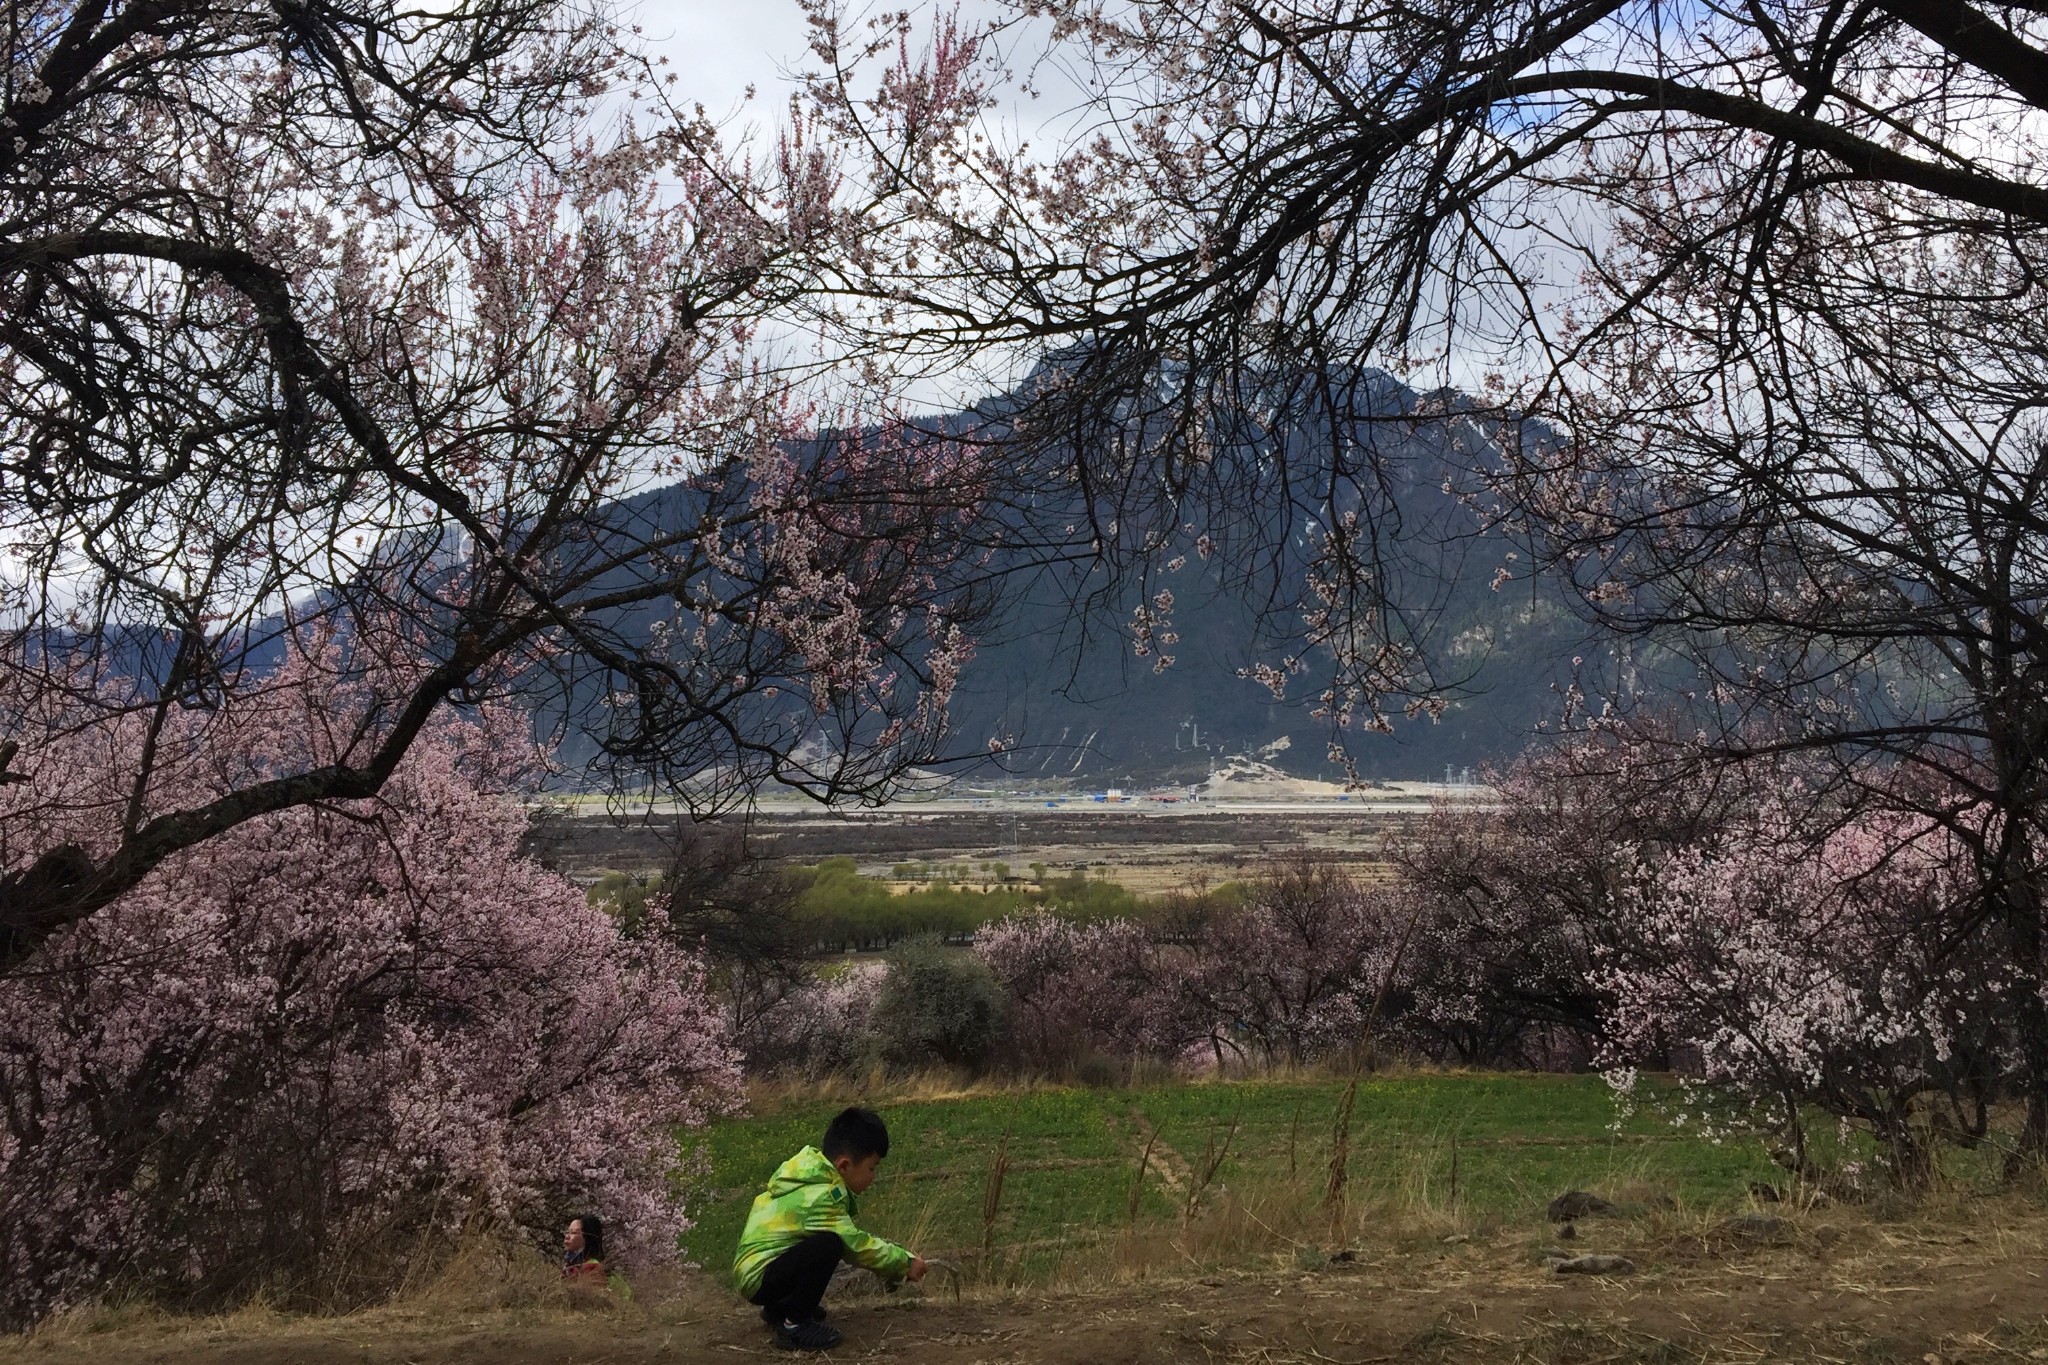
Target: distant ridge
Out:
[1072,703]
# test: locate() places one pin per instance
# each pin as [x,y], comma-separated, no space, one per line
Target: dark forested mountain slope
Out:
[1069,698]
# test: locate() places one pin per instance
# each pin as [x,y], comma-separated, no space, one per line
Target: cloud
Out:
[717,48]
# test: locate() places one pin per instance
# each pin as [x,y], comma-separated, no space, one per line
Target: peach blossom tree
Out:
[295,1057]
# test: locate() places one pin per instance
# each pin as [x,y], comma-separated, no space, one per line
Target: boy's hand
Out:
[917,1269]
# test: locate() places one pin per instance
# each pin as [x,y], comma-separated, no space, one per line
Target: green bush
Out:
[837,910]
[937,1005]
[1081,897]
[841,911]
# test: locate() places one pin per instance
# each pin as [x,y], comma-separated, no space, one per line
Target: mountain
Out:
[1070,699]
[1089,710]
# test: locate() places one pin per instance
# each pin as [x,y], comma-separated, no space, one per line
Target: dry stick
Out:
[1138,1181]
[1340,1142]
[1454,1172]
[992,1196]
[1340,1151]
[944,1267]
[1212,1159]
[1293,1133]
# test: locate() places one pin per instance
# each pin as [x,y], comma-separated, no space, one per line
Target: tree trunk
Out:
[2031,1019]
[2022,912]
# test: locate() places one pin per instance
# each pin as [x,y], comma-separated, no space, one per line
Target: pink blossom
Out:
[325,1041]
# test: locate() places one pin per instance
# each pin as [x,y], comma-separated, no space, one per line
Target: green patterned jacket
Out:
[804,1196]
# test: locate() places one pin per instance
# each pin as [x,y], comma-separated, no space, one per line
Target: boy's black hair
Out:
[856,1132]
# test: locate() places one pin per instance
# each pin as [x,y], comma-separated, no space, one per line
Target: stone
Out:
[1577,1204]
[1595,1265]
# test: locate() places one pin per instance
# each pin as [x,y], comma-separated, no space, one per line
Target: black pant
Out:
[794,1283]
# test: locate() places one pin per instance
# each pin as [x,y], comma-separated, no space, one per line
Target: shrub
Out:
[820,1025]
[937,1004]
[838,909]
[1286,971]
[1072,989]
[1849,975]
[1294,974]
[314,1045]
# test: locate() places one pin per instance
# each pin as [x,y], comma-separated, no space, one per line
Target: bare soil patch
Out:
[1964,1288]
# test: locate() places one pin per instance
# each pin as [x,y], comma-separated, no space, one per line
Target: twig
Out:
[1293,1132]
[950,1270]
[1138,1181]
[1212,1159]
[1340,1150]
[992,1194]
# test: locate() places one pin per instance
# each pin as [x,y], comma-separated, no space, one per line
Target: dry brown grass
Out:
[1705,1279]
[483,1281]
[1278,1225]
[1405,1278]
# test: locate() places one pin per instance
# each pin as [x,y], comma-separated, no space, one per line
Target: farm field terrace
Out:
[1444,1148]
[1418,1269]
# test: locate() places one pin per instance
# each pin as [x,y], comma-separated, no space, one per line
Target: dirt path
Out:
[1162,1164]
[1915,1297]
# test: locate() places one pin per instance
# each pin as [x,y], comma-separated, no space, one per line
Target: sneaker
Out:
[806,1336]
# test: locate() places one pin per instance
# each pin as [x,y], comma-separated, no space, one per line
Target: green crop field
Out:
[1483,1146]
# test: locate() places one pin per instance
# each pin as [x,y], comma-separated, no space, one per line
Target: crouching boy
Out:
[802,1226]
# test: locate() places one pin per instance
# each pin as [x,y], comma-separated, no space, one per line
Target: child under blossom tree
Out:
[305,1050]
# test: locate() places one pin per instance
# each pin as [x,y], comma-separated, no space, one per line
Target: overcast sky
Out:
[718,47]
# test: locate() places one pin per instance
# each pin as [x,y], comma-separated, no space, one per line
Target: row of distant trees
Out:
[733,900]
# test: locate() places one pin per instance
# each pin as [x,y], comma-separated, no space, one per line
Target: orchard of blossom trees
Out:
[378,383]
[1792,962]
